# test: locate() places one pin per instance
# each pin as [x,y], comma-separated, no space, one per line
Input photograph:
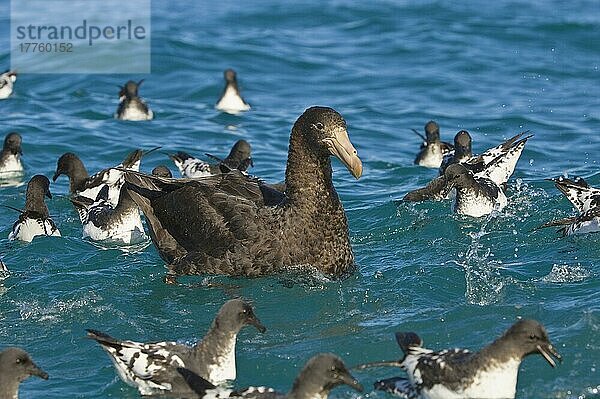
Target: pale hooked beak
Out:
[341,147]
[548,351]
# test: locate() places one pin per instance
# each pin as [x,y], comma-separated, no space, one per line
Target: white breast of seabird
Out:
[30,228]
[127,229]
[224,368]
[497,382]
[232,102]
[134,110]
[432,157]
[6,84]
[470,204]
[133,113]
[11,164]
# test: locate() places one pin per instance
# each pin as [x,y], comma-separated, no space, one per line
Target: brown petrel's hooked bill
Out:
[340,146]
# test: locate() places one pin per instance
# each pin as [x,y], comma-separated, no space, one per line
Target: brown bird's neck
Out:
[308,174]
[34,202]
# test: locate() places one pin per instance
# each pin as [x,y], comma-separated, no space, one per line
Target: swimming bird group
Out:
[219,219]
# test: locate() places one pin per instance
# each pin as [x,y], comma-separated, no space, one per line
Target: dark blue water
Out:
[493,68]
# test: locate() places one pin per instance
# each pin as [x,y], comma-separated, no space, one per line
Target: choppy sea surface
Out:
[493,68]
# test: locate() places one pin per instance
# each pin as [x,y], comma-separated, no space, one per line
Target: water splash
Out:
[566,274]
[484,285]
[57,310]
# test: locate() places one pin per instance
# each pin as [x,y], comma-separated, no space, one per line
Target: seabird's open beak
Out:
[38,372]
[48,194]
[548,351]
[341,147]
[349,380]
[256,323]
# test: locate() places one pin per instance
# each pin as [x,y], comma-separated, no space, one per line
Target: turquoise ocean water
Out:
[493,68]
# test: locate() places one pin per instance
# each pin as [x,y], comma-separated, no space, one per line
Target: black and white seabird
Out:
[320,375]
[3,268]
[162,171]
[10,158]
[7,81]
[226,224]
[35,219]
[239,158]
[15,367]
[152,367]
[433,149]
[103,222]
[585,199]
[490,373]
[497,164]
[131,106]
[231,100]
[82,184]
[475,195]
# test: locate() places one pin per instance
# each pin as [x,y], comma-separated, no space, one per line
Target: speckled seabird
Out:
[10,158]
[497,163]
[82,184]
[152,367]
[475,195]
[585,199]
[131,106]
[35,219]
[231,100]
[433,149]
[490,373]
[227,224]
[320,375]
[7,81]
[239,158]
[15,367]
[101,221]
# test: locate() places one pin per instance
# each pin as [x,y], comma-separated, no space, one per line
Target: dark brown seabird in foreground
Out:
[235,225]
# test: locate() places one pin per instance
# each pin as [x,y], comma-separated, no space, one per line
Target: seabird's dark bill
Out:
[35,370]
[256,323]
[348,379]
[547,351]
